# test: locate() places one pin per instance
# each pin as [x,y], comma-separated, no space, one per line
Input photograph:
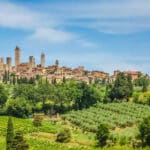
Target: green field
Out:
[114,114]
[122,118]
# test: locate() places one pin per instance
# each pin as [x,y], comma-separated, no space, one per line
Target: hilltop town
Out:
[55,72]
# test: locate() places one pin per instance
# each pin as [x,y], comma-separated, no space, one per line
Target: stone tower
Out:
[17,56]
[42,60]
[57,62]
[1,64]
[8,62]
[31,61]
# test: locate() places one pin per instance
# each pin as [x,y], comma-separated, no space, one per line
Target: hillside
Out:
[122,119]
[115,114]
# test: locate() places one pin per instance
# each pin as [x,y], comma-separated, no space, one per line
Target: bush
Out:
[64,136]
[19,143]
[3,111]
[102,134]
[142,98]
[37,121]
[3,95]
[144,131]
[18,108]
[10,134]
[38,107]
[113,139]
[123,140]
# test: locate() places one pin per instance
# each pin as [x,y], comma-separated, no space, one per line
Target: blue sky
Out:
[99,34]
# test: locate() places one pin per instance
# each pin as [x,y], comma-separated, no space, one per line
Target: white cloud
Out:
[41,25]
[51,35]
[123,27]
[125,16]
[112,17]
[17,16]
[102,9]
[86,43]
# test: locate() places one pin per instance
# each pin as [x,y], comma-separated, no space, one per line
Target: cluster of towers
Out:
[6,66]
[31,63]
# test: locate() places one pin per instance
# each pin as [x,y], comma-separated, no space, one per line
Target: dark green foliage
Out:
[3,95]
[43,92]
[64,136]
[37,77]
[64,79]
[37,121]
[6,76]
[19,108]
[102,134]
[142,82]
[47,108]
[19,143]
[65,96]
[144,131]
[31,81]
[54,81]
[25,91]
[25,80]
[122,88]
[88,96]
[14,80]
[10,134]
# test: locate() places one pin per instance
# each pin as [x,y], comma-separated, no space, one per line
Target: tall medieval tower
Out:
[17,56]
[1,63]
[8,62]
[42,60]
[31,61]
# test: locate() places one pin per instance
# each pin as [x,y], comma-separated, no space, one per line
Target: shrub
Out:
[144,131]
[18,108]
[10,134]
[123,140]
[37,121]
[102,134]
[3,95]
[64,136]
[113,138]
[19,143]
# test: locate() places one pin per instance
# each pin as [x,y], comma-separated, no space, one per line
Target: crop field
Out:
[122,117]
[114,114]
[43,137]
[26,126]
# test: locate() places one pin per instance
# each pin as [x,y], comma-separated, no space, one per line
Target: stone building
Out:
[54,72]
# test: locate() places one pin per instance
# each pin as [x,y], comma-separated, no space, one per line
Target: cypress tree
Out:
[10,134]
[14,80]
[5,75]
[102,135]
[19,143]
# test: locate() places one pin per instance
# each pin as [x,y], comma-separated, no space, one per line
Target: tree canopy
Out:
[122,88]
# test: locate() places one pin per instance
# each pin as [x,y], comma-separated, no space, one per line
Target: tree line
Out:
[29,96]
